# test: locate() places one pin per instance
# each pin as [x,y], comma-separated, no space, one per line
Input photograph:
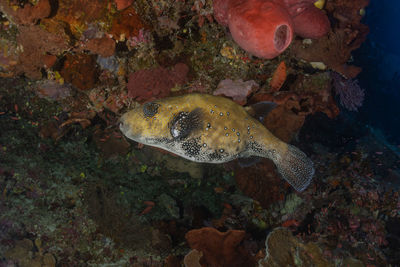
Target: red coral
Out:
[286,120]
[126,24]
[80,70]
[77,15]
[334,49]
[220,249]
[265,184]
[105,46]
[283,122]
[347,13]
[29,14]
[49,61]
[122,4]
[37,42]
[156,83]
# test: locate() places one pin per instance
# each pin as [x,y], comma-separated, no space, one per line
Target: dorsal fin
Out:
[260,110]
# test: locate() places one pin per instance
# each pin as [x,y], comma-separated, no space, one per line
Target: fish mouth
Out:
[125,129]
[122,125]
[127,132]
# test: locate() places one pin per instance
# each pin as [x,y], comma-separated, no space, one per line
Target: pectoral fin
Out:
[185,123]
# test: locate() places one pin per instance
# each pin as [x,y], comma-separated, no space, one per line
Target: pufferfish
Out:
[213,129]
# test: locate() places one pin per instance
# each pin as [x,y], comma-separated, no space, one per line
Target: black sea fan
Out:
[351,95]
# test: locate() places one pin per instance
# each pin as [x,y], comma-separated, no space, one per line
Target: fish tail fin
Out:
[295,167]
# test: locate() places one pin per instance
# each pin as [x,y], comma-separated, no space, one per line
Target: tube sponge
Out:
[260,27]
[311,23]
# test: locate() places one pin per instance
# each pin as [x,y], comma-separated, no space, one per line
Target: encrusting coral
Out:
[283,249]
[219,249]
[333,49]
[156,83]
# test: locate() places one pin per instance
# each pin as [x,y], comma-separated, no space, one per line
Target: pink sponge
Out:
[265,28]
[311,23]
[262,28]
[308,21]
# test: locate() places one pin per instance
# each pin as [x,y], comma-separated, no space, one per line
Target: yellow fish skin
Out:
[213,129]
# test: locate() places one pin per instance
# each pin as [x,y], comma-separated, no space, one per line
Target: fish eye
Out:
[150,109]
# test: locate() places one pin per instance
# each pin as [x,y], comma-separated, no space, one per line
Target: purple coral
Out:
[238,90]
[350,93]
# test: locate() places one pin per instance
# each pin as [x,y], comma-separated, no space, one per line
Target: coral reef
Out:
[266,28]
[334,50]
[80,70]
[308,20]
[192,259]
[278,78]
[28,14]
[265,38]
[350,94]
[126,24]
[104,46]
[74,190]
[237,90]
[26,254]
[37,42]
[130,208]
[53,90]
[283,249]
[149,84]
[287,119]
[260,182]
[219,249]
[122,4]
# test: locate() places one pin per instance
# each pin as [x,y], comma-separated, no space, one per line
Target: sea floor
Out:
[84,196]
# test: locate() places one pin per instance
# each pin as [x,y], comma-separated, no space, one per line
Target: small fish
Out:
[278,78]
[213,129]
[319,4]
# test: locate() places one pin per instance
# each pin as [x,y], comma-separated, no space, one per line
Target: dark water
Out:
[379,57]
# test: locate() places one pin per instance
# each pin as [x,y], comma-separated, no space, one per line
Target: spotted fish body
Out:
[213,129]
